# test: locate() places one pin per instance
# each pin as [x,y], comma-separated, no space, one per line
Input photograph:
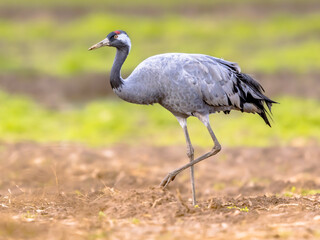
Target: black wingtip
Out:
[254,96]
[265,118]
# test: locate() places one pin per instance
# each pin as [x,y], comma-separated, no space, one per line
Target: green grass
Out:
[301,191]
[53,47]
[244,209]
[106,122]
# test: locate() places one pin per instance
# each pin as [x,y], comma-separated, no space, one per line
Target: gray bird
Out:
[186,85]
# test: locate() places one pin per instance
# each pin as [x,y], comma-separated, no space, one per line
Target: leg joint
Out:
[217,147]
[190,151]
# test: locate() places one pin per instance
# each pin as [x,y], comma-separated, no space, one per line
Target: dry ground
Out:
[68,191]
[59,93]
[66,12]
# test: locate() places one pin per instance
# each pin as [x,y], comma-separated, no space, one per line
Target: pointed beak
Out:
[104,42]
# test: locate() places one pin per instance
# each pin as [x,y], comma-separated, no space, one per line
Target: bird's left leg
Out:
[216,148]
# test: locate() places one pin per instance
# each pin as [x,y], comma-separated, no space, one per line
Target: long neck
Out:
[115,77]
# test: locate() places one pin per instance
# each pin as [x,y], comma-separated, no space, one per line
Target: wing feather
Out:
[216,80]
[221,83]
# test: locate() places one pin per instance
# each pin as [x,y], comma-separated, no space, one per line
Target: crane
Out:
[186,85]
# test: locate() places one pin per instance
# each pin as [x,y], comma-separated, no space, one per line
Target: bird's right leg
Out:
[216,148]
[190,154]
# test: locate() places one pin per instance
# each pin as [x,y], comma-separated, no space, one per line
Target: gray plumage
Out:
[193,83]
[186,85]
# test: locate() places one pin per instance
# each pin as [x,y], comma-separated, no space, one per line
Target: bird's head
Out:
[118,39]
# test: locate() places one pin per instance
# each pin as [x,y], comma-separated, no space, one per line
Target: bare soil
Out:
[251,9]
[69,191]
[54,92]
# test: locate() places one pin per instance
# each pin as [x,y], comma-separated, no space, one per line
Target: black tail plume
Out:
[257,97]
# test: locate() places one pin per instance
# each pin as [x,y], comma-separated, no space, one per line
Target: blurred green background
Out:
[53,89]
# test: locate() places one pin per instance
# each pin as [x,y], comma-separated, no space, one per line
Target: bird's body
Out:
[192,83]
[186,85]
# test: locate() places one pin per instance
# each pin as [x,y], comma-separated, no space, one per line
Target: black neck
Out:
[115,76]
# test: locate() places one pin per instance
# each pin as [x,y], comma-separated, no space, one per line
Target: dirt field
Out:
[58,93]
[74,192]
[253,9]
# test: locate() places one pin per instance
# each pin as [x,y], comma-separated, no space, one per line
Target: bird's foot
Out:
[169,178]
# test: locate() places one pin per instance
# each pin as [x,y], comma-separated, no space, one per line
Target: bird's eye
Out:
[115,36]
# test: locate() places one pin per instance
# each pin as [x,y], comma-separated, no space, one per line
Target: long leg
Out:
[190,154]
[216,148]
